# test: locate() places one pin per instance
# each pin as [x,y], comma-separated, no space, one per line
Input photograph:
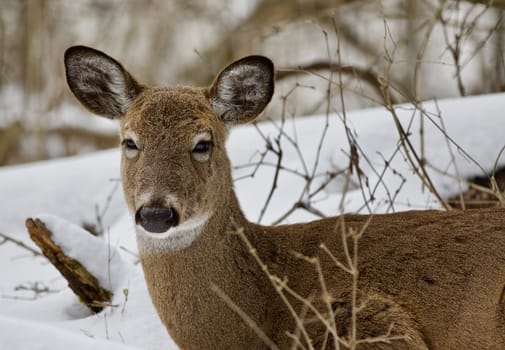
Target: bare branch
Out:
[499,4]
[368,76]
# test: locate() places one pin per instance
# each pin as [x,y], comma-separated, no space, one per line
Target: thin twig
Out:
[248,320]
[279,285]
[19,244]
[278,152]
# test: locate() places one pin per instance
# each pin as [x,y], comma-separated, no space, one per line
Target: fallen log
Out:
[80,280]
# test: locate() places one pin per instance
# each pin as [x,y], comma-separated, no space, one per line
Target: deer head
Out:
[174,167]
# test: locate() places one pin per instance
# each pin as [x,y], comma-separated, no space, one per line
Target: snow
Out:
[101,260]
[85,190]
[28,335]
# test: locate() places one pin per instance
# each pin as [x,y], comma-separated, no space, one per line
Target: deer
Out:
[427,279]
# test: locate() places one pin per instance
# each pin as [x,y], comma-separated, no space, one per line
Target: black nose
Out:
[156,219]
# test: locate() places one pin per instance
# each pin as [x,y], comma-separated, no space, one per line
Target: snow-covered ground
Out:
[85,190]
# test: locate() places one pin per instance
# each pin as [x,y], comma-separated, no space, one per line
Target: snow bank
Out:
[475,124]
[97,256]
[131,319]
[26,335]
[72,188]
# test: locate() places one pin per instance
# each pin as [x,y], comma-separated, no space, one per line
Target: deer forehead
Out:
[178,112]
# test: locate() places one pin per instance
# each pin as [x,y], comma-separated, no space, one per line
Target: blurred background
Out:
[383,51]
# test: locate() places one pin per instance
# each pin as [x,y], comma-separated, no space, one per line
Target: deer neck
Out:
[181,281]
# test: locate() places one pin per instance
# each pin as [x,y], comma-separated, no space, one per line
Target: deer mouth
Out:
[156,219]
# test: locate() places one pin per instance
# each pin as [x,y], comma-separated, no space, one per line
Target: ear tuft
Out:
[99,82]
[243,89]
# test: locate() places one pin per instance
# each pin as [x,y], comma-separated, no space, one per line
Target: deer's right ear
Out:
[99,82]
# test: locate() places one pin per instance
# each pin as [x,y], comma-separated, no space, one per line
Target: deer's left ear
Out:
[243,89]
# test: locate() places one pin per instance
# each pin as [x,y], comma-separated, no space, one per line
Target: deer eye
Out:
[131,149]
[130,144]
[202,147]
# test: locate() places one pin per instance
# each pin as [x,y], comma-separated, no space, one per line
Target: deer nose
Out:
[156,219]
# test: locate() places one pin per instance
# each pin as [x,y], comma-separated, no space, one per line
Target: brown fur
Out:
[437,278]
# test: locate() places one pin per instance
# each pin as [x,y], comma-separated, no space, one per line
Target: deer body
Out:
[427,280]
[438,286]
